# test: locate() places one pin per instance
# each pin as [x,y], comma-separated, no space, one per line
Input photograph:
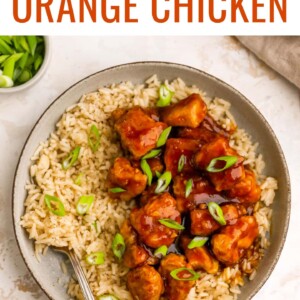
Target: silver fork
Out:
[85,288]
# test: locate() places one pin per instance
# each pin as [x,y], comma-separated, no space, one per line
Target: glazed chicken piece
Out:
[233,240]
[155,165]
[205,133]
[246,190]
[202,190]
[175,289]
[145,220]
[123,175]
[138,132]
[145,283]
[203,224]
[177,147]
[226,179]
[188,112]
[199,258]
[134,254]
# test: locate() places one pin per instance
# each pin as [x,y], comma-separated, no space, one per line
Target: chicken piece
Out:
[145,220]
[145,283]
[155,165]
[203,224]
[177,147]
[202,191]
[233,240]
[138,132]
[147,194]
[226,179]
[205,133]
[123,175]
[246,190]
[118,113]
[134,254]
[188,112]
[153,113]
[199,258]
[175,289]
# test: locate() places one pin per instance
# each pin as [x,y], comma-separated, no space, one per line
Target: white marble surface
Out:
[76,57]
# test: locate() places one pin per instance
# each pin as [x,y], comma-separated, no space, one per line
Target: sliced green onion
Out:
[70,160]
[6,39]
[147,170]
[38,62]
[5,48]
[165,96]
[95,258]
[5,81]
[188,187]
[161,251]
[22,41]
[117,190]
[84,203]
[78,179]
[216,212]
[94,138]
[197,242]
[189,274]
[163,137]
[9,64]
[163,182]
[181,162]
[32,42]
[171,224]
[25,76]
[118,246]
[228,160]
[55,205]
[152,153]
[3,58]
[107,297]
[158,174]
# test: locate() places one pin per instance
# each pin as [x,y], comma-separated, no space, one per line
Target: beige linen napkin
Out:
[282,53]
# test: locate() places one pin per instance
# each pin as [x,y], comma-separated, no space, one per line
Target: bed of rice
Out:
[95,231]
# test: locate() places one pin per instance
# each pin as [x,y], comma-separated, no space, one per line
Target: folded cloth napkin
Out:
[282,53]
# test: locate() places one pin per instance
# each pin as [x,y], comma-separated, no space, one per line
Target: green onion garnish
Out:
[216,212]
[5,81]
[107,297]
[152,153]
[188,187]
[165,96]
[78,179]
[71,159]
[20,58]
[197,242]
[118,246]
[181,162]
[163,182]
[95,258]
[171,224]
[84,203]
[94,138]
[161,251]
[163,137]
[228,160]
[147,170]
[158,174]
[55,205]
[117,190]
[188,274]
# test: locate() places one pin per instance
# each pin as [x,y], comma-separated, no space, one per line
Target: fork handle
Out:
[85,288]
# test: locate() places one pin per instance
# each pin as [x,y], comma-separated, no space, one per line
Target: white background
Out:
[146,24]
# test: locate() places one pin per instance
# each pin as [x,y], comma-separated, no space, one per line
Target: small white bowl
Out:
[37,76]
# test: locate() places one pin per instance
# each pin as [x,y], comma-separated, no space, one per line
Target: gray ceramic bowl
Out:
[247,116]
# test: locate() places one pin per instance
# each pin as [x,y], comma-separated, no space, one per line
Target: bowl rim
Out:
[212,77]
[38,75]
